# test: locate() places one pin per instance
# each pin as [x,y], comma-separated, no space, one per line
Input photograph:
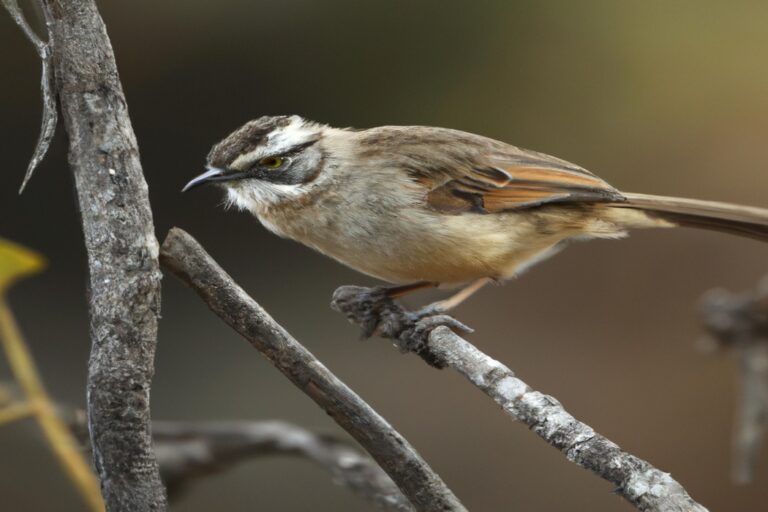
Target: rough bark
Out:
[185,258]
[124,283]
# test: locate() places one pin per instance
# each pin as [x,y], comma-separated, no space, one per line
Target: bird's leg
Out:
[375,311]
[457,298]
[395,292]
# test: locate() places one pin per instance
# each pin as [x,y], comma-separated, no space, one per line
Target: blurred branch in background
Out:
[16,262]
[185,258]
[738,324]
[191,450]
[644,486]
[187,451]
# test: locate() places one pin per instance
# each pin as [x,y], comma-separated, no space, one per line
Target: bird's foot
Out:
[377,313]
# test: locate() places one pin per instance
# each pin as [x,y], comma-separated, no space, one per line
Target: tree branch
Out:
[50,113]
[122,252]
[186,451]
[644,486]
[184,257]
[738,323]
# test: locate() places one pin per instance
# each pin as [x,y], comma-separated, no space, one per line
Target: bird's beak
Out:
[212,174]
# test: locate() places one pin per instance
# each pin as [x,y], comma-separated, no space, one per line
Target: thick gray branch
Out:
[124,285]
[185,258]
[739,324]
[646,487]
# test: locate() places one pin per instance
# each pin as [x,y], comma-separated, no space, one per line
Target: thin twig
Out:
[39,404]
[184,257]
[12,6]
[15,412]
[47,77]
[644,486]
[738,323]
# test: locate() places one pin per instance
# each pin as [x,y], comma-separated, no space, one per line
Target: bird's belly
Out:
[443,249]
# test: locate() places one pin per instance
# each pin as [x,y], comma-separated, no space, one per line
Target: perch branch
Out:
[184,257]
[644,486]
[124,283]
[50,113]
[738,323]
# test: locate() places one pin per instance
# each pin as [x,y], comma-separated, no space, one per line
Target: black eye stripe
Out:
[298,148]
[287,154]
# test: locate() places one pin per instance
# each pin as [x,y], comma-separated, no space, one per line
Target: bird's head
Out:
[266,161]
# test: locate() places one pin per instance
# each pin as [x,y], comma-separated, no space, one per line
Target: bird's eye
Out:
[272,162]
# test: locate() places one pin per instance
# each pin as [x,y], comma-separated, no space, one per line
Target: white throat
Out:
[259,196]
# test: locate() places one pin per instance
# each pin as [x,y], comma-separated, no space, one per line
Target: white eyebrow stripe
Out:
[245,160]
[280,141]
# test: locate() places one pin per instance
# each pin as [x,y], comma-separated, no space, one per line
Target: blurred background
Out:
[655,96]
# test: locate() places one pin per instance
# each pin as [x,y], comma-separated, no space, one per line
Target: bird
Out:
[420,206]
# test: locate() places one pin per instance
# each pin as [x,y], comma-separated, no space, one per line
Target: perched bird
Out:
[421,206]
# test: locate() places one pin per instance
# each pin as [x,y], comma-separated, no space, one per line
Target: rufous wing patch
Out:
[514,187]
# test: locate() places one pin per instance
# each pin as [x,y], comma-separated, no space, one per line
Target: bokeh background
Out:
[655,96]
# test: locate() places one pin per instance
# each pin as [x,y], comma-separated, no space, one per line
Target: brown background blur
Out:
[657,97]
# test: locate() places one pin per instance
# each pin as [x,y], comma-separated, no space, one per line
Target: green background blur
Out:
[667,97]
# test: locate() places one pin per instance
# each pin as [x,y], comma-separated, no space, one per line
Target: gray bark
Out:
[185,258]
[124,284]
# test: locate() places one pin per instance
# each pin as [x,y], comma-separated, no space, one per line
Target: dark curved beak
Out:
[211,175]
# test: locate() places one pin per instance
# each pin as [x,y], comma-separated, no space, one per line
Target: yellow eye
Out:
[272,162]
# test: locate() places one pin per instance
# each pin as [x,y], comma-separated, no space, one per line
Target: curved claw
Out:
[375,312]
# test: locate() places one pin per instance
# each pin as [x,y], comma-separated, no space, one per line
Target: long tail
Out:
[730,218]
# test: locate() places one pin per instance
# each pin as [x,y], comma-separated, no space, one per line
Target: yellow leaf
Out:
[17,262]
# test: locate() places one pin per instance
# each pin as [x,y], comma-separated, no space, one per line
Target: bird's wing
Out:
[515,179]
